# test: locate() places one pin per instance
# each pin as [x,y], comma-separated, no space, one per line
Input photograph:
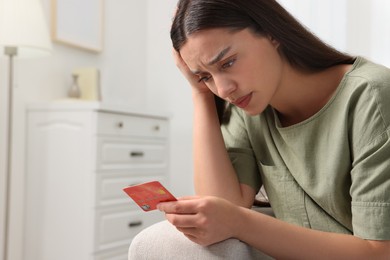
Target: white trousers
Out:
[162,241]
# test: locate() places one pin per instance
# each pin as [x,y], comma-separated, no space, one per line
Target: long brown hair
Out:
[301,48]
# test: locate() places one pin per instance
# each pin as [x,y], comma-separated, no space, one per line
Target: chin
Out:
[253,112]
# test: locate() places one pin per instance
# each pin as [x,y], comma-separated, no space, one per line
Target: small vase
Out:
[74,90]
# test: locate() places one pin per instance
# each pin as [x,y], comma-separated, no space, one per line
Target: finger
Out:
[187,206]
[179,60]
[175,11]
[183,67]
[191,232]
[189,198]
[182,221]
[197,240]
[192,238]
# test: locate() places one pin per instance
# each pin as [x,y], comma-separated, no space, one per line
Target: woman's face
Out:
[240,67]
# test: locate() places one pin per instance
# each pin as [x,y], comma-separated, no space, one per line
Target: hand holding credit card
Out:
[148,195]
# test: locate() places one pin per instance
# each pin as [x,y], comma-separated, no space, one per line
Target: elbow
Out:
[247,196]
[380,248]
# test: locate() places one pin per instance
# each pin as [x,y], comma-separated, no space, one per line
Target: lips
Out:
[242,102]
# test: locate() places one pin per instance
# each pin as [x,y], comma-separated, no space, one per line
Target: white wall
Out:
[368,26]
[123,60]
[327,19]
[168,90]
[137,70]
[359,27]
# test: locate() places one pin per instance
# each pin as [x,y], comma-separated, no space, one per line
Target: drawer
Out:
[110,188]
[125,125]
[117,228]
[124,153]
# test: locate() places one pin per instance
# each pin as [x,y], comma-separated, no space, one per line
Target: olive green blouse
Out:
[330,172]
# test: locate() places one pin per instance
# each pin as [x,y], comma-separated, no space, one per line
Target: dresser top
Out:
[83,105]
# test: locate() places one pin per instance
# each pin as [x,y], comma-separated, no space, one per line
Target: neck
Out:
[301,95]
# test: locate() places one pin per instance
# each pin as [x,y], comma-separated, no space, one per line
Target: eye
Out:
[204,78]
[228,64]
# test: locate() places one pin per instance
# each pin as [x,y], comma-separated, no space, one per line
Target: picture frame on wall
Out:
[78,23]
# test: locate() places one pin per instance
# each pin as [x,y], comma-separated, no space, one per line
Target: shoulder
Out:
[368,72]
[368,87]
[366,93]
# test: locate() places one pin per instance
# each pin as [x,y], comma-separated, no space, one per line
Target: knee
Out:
[162,241]
[154,242]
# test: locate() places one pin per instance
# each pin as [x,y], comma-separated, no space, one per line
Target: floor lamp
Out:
[24,34]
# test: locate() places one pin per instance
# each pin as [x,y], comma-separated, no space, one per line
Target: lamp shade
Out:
[23,25]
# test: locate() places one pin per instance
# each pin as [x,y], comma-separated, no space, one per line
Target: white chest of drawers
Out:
[79,157]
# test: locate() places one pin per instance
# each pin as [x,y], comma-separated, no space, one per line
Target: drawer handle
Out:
[135,224]
[120,124]
[156,128]
[136,154]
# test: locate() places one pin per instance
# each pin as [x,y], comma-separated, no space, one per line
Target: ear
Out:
[274,42]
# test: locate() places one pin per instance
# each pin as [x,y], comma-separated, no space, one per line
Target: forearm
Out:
[286,241]
[213,171]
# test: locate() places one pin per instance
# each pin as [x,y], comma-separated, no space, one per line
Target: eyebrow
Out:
[219,56]
[216,59]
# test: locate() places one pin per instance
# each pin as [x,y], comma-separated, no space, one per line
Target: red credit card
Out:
[148,195]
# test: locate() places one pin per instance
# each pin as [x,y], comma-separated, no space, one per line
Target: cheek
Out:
[267,69]
[268,74]
[212,88]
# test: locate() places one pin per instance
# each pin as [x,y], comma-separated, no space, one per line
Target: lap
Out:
[162,241]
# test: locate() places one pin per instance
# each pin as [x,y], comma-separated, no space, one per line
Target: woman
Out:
[309,123]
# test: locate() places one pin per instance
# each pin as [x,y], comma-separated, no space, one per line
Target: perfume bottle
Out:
[74,90]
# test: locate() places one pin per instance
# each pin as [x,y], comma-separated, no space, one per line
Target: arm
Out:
[208,220]
[285,240]
[213,171]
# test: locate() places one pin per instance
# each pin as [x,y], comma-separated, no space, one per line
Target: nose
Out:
[225,86]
